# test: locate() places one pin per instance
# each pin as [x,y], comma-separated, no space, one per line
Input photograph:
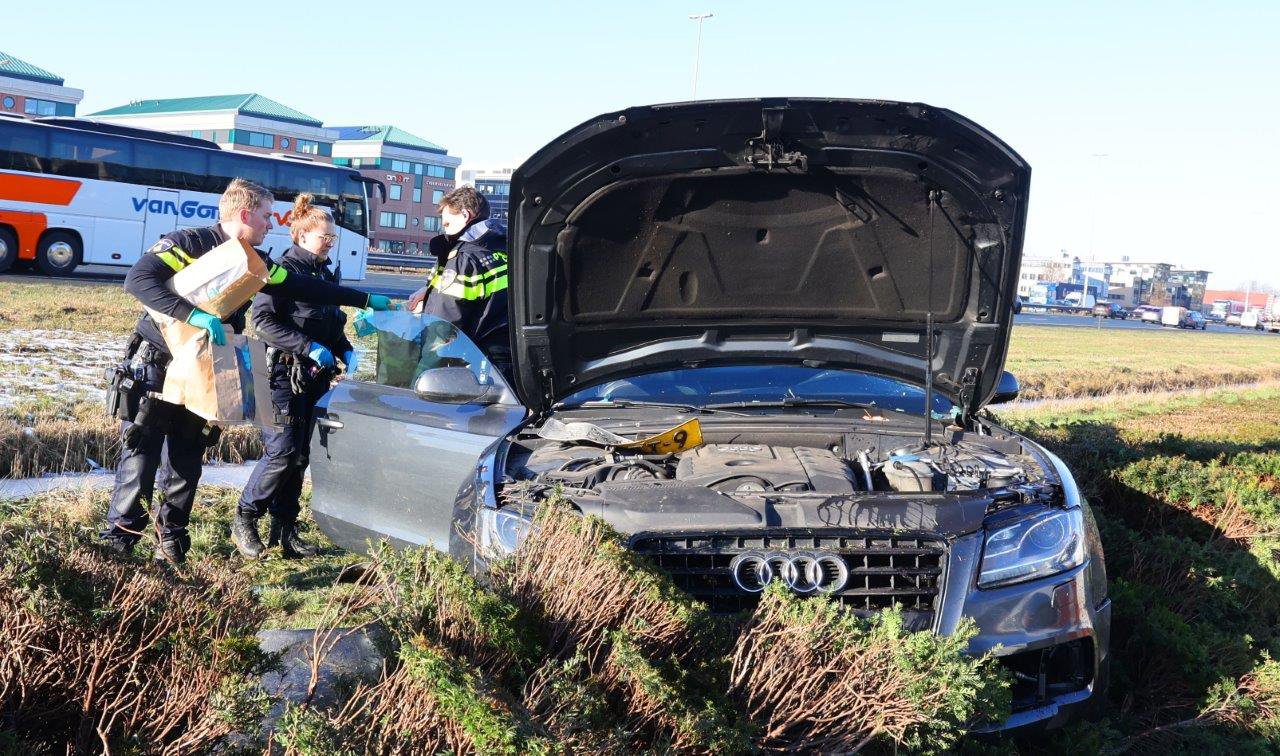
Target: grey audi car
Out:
[757,338]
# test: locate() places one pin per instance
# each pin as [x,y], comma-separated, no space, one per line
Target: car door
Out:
[387,461]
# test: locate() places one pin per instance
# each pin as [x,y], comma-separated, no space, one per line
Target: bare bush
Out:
[96,653]
[622,662]
[430,703]
[577,579]
[426,592]
[650,651]
[815,678]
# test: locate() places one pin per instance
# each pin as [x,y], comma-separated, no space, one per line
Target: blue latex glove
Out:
[362,325]
[321,355]
[379,303]
[201,319]
[352,362]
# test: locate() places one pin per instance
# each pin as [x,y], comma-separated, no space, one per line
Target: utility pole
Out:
[697,51]
[1093,202]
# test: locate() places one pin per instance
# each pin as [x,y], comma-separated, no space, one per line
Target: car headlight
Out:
[1033,548]
[503,530]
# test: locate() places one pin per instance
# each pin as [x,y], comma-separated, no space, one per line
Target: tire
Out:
[8,249]
[59,253]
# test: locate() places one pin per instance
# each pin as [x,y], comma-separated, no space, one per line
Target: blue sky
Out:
[1180,97]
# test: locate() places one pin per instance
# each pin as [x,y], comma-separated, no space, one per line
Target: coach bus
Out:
[78,192]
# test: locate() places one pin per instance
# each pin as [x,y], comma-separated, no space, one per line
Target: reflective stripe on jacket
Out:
[469,286]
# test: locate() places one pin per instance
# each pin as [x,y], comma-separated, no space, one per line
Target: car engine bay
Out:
[846,464]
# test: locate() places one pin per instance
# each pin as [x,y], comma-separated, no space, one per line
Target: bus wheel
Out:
[59,253]
[8,249]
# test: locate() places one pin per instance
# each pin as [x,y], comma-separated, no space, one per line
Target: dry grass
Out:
[1054,362]
[67,305]
[41,438]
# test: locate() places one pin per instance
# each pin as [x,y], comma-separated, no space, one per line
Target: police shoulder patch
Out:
[164,245]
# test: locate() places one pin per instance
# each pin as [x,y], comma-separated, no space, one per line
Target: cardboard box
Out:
[222,279]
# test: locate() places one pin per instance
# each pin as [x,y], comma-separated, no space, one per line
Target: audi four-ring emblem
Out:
[802,572]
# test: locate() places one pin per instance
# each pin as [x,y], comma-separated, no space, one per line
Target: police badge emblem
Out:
[447,277]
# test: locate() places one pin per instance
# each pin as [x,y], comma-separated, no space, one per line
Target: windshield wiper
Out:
[625,403]
[796,401]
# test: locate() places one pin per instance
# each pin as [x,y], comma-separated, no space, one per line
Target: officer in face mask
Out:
[165,441]
[469,286]
[305,341]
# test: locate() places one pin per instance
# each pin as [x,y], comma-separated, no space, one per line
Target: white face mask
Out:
[451,222]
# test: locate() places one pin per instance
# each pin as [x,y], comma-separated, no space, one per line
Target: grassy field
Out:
[70,306]
[1187,493]
[1053,362]
[1186,487]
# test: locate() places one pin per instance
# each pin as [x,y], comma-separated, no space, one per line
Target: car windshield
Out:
[765,385]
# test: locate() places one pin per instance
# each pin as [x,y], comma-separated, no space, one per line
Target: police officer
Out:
[469,285]
[164,441]
[305,341]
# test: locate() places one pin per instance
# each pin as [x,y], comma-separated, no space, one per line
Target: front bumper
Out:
[1053,633]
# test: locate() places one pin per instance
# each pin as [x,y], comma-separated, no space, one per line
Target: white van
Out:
[1172,316]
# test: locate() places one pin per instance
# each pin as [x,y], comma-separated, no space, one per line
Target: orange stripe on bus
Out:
[46,191]
[28,227]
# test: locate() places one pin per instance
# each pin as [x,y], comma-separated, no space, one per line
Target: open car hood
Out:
[797,231]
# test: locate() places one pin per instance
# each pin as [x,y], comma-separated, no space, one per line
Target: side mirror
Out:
[1007,389]
[454,385]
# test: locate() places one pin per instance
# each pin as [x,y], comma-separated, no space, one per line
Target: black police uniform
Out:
[289,327]
[171,447]
[469,287]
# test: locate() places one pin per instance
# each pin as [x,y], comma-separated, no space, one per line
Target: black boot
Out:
[173,550]
[291,544]
[244,534]
[120,547]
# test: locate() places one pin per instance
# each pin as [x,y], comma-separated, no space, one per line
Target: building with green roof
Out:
[31,91]
[246,122]
[416,172]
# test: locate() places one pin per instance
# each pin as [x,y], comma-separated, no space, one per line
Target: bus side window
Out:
[170,167]
[226,166]
[91,156]
[23,149]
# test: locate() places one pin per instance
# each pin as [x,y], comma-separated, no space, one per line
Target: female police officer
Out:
[303,340]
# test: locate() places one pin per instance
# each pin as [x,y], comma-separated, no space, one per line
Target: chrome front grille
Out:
[884,569]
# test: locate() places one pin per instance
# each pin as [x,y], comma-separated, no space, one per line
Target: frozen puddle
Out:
[232,476]
[67,364]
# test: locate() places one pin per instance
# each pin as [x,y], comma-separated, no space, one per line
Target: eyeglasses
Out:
[329,237]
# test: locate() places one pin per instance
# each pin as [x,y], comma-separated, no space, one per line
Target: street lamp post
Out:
[1093,205]
[697,51]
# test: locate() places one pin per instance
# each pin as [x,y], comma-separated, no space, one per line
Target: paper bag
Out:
[222,279]
[215,382]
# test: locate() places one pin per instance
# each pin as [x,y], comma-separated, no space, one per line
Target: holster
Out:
[125,385]
[303,373]
[150,416]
